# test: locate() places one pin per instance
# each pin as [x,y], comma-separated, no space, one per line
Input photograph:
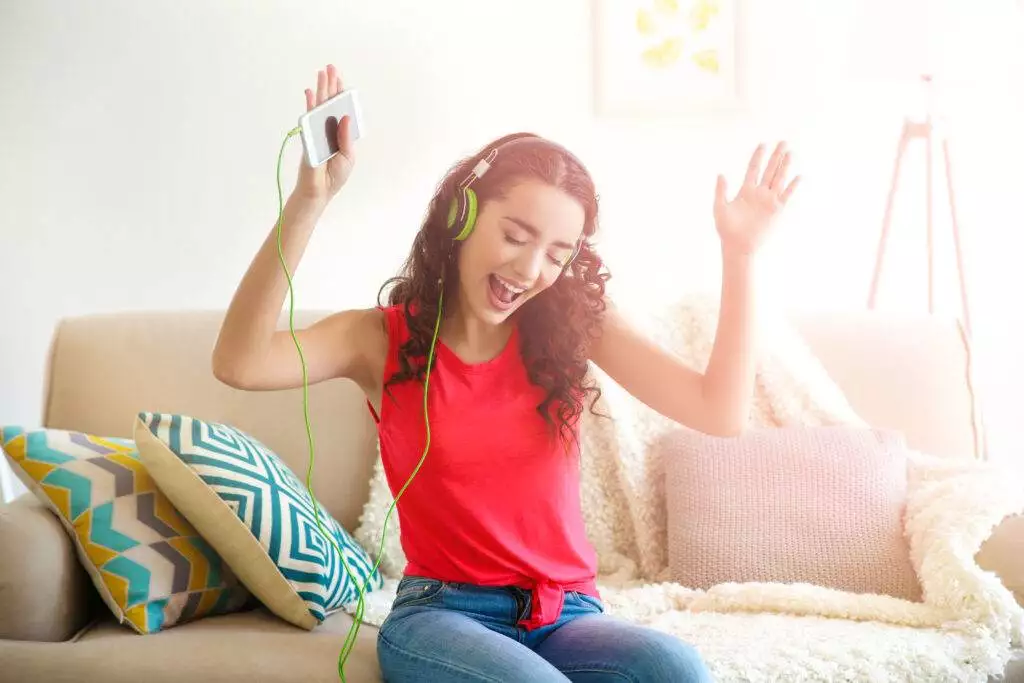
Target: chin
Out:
[494,316]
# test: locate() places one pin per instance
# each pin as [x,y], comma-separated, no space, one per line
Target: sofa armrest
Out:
[1003,554]
[45,592]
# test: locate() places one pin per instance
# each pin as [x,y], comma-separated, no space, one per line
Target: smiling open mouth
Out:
[503,292]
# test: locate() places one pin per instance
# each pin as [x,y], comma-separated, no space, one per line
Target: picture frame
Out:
[666,57]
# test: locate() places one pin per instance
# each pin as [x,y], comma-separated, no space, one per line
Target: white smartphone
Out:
[319,126]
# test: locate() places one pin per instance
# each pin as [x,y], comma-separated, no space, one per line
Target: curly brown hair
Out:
[558,325]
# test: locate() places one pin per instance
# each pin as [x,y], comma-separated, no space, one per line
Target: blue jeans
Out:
[445,631]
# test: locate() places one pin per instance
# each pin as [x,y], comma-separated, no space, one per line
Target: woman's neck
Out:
[472,339]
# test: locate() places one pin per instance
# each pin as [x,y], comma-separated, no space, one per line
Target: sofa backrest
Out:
[104,369]
[905,372]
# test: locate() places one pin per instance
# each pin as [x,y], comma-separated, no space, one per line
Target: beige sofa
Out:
[910,375]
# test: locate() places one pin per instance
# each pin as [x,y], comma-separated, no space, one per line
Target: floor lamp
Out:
[926,132]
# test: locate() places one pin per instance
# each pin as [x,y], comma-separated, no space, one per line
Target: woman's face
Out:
[517,249]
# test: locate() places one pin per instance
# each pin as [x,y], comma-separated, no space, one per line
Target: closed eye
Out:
[512,240]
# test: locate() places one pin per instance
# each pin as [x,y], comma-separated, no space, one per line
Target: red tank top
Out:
[497,500]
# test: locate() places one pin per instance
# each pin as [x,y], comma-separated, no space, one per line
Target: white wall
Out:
[139,137]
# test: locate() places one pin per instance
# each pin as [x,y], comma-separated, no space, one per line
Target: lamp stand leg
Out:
[901,148]
[956,236]
[928,212]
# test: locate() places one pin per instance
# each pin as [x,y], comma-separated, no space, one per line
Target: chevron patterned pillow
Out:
[256,513]
[150,566]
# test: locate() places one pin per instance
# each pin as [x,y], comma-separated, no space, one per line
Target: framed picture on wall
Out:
[663,57]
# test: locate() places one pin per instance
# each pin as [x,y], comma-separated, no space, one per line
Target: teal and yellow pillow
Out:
[150,566]
[287,549]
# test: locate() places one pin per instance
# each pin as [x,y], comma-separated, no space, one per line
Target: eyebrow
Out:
[535,232]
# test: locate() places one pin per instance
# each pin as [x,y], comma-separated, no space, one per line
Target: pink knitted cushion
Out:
[818,505]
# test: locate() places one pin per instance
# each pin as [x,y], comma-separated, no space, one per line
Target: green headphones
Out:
[462,211]
[463,208]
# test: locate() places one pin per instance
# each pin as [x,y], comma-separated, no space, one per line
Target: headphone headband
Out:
[480,169]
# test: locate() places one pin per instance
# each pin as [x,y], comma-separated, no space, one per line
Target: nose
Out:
[528,265]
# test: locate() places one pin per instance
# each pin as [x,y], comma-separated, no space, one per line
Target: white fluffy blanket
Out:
[962,631]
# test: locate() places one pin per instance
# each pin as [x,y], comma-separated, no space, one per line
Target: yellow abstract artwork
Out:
[665,55]
[670,28]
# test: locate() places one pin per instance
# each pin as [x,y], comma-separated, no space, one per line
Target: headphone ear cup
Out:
[462,213]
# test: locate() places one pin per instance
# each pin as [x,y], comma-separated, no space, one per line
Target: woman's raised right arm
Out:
[251,352]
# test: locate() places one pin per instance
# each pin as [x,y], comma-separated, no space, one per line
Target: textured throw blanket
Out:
[963,630]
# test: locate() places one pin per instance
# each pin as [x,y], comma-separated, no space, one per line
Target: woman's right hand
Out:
[320,184]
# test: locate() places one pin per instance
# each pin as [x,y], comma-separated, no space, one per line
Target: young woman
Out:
[500,581]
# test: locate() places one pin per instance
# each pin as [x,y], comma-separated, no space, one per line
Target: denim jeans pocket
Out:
[416,590]
[588,602]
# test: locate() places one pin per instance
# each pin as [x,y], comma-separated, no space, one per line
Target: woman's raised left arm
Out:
[717,401]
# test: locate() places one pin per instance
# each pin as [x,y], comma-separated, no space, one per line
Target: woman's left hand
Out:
[745,220]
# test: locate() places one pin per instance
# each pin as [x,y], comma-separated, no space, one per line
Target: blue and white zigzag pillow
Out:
[257,514]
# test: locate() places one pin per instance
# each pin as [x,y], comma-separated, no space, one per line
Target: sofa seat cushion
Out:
[244,647]
[240,647]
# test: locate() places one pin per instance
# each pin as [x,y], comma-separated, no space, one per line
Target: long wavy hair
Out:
[558,325]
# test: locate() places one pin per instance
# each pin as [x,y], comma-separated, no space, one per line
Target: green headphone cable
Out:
[350,640]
